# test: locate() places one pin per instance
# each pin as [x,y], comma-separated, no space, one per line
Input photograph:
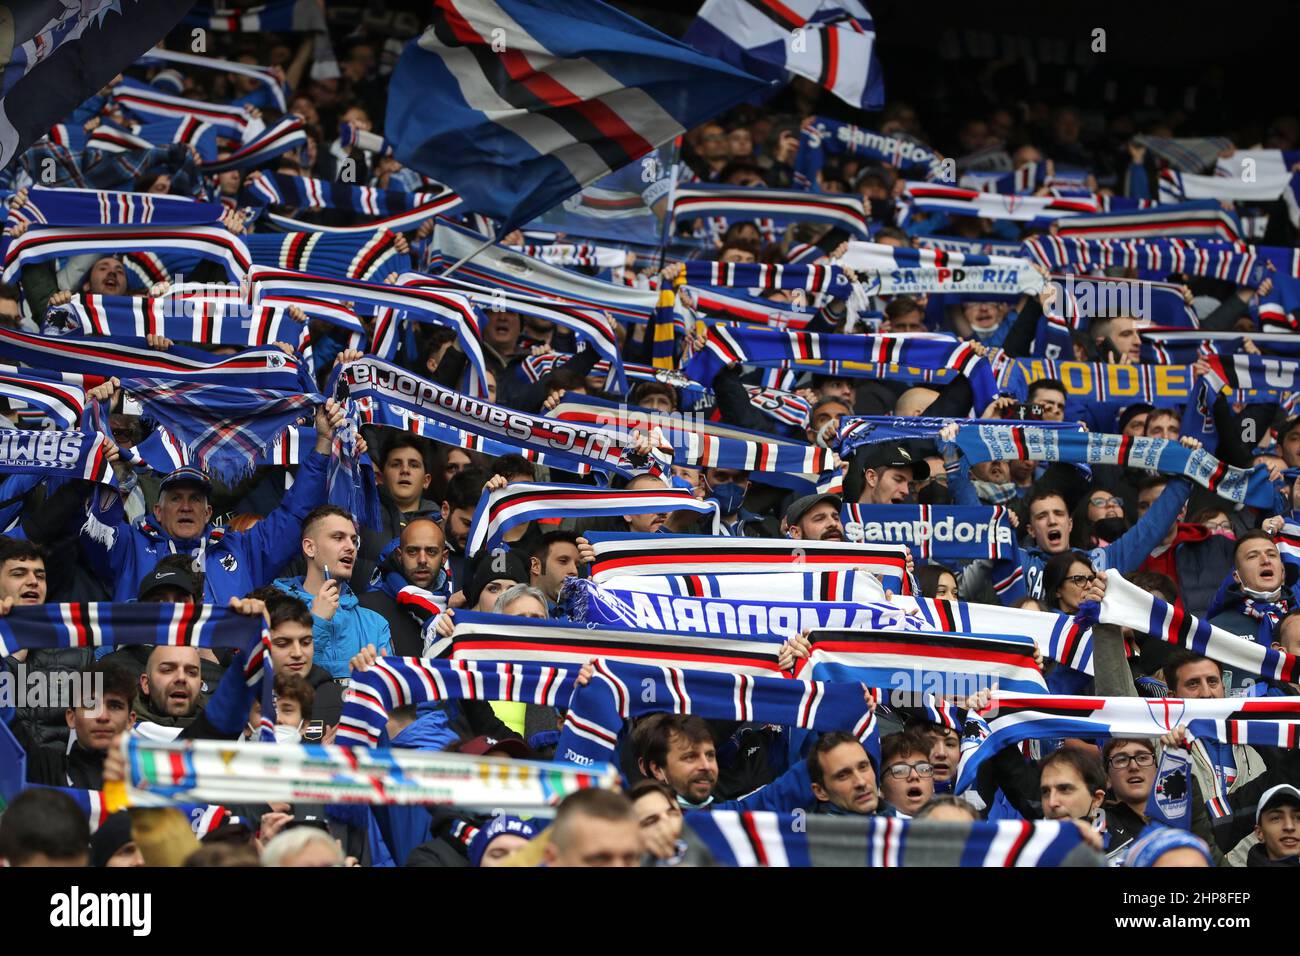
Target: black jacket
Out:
[1258,856]
[328,704]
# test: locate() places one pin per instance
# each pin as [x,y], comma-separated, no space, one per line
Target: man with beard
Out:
[415,560]
[815,518]
[461,498]
[889,469]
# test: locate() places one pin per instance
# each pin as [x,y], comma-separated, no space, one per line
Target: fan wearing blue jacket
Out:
[234,562]
[340,626]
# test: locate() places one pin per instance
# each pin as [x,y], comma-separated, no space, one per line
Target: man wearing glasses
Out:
[906,776]
[340,627]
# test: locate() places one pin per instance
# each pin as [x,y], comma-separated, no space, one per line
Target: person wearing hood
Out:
[233,563]
[1190,555]
[410,584]
[1258,593]
[340,626]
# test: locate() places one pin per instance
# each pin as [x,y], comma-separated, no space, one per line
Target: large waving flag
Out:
[831,42]
[518,104]
[55,54]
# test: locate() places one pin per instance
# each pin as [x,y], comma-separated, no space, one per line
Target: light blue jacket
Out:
[340,638]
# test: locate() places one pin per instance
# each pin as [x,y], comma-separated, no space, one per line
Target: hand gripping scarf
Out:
[391,391]
[620,691]
[503,638]
[1127,605]
[1015,717]
[619,554]
[224,771]
[519,502]
[767,839]
[916,661]
[824,137]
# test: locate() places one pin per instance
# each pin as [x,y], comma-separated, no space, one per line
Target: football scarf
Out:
[590,326]
[1012,718]
[284,286]
[393,682]
[1254,373]
[264,367]
[935,532]
[914,661]
[1170,802]
[1059,637]
[891,270]
[857,587]
[55,626]
[1127,605]
[1164,386]
[365,256]
[1191,154]
[934,197]
[1177,347]
[619,691]
[812,351]
[387,209]
[225,771]
[1235,263]
[99,207]
[61,397]
[503,638]
[774,840]
[225,429]
[621,554]
[391,391]
[827,137]
[276,140]
[711,302]
[576,254]
[1032,443]
[695,443]
[517,503]
[261,74]
[1205,219]
[1176,187]
[44,243]
[210,320]
[109,138]
[829,280]
[146,103]
[56,454]
[586,602]
[783,206]
[858,430]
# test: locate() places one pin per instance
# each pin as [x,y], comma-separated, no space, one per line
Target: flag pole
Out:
[464,259]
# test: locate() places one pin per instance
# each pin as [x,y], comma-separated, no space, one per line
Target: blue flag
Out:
[518,104]
[58,55]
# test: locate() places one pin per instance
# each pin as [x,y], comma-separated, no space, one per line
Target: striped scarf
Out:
[784,207]
[55,626]
[586,602]
[1205,219]
[1013,718]
[829,280]
[392,392]
[809,351]
[1173,346]
[501,638]
[110,138]
[1032,443]
[100,207]
[520,502]
[770,839]
[276,140]
[262,74]
[1127,605]
[824,137]
[44,243]
[1059,637]
[393,682]
[56,454]
[1165,386]
[914,661]
[859,587]
[265,367]
[623,691]
[892,270]
[364,256]
[225,429]
[1231,262]
[223,771]
[146,103]
[939,533]
[207,319]
[858,430]
[61,396]
[1176,187]
[934,197]
[387,209]
[620,555]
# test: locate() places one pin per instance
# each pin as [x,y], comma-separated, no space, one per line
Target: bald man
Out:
[416,560]
[914,402]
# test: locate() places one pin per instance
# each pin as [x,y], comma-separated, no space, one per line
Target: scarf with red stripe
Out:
[620,691]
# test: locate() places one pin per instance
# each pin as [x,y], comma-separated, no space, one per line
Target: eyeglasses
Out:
[901,771]
[1219,526]
[1080,580]
[1100,502]
[1143,759]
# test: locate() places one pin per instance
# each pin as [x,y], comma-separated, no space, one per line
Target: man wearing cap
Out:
[233,563]
[815,518]
[492,844]
[1277,827]
[887,472]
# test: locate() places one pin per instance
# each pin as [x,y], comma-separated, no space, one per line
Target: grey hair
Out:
[514,593]
[288,844]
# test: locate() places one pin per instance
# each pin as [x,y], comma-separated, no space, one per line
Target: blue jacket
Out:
[234,562]
[1132,548]
[350,629]
[788,792]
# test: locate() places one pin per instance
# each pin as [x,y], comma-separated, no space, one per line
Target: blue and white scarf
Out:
[210,320]
[782,206]
[892,270]
[100,207]
[936,532]
[855,587]
[827,137]
[389,209]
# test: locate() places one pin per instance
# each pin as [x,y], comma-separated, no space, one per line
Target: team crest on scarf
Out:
[228,562]
[1166,712]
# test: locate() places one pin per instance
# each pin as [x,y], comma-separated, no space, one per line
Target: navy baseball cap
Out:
[187,475]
